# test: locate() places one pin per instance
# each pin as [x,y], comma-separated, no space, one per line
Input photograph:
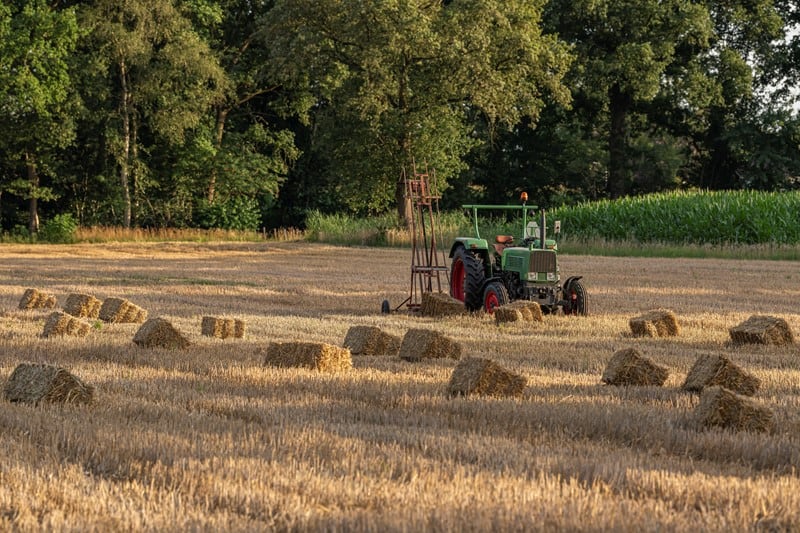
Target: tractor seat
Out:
[501,242]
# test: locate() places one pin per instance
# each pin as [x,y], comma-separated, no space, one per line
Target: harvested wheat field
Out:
[210,438]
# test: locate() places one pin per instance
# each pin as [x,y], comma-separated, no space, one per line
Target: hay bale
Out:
[239,328]
[121,311]
[159,333]
[421,344]
[222,328]
[518,311]
[762,329]
[710,369]
[313,355]
[629,367]
[370,340]
[476,375]
[35,299]
[441,304]
[82,306]
[505,314]
[655,323]
[720,407]
[34,383]
[59,323]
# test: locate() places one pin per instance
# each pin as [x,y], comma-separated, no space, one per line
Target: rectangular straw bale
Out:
[655,323]
[504,314]
[370,340]
[421,344]
[476,375]
[629,367]
[239,328]
[441,304]
[762,329]
[159,333]
[720,407]
[313,355]
[82,306]
[711,369]
[222,328]
[35,299]
[34,383]
[531,311]
[59,323]
[518,311]
[121,311]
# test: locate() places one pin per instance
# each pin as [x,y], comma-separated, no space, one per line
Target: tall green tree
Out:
[161,79]
[37,100]
[397,81]
[243,150]
[624,49]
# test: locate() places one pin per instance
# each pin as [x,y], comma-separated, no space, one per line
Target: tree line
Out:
[243,114]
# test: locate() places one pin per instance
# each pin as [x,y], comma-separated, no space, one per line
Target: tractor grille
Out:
[514,263]
[543,261]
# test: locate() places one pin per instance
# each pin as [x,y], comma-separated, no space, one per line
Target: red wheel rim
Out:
[490,302]
[457,280]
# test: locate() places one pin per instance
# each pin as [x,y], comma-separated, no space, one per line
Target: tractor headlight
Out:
[551,276]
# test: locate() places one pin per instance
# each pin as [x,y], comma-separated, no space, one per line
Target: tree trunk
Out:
[124,163]
[33,205]
[222,116]
[619,104]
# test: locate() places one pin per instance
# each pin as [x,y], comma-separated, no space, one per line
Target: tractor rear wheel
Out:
[494,295]
[577,299]
[466,278]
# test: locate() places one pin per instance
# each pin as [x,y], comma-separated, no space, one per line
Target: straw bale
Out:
[441,304]
[35,299]
[711,369]
[629,367]
[33,383]
[476,375]
[655,323]
[82,306]
[421,344]
[721,407]
[370,340]
[159,333]
[59,323]
[222,328]
[518,311]
[762,329]
[313,355]
[121,311]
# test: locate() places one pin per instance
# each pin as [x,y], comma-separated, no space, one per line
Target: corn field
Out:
[705,217]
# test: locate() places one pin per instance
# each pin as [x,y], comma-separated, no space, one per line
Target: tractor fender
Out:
[470,243]
[570,280]
[490,280]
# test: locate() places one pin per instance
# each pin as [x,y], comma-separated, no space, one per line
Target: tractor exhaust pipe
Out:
[542,230]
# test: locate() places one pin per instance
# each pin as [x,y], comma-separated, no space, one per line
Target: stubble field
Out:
[208,438]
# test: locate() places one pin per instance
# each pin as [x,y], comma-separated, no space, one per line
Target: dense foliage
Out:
[242,114]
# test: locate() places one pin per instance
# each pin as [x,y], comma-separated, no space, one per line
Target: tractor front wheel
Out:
[577,299]
[466,278]
[494,295]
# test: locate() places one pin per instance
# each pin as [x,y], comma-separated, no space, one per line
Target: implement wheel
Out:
[466,278]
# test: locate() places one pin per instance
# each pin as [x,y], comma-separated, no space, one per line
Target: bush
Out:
[59,230]
[237,213]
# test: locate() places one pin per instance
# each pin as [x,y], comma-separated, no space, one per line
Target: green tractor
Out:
[484,276]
